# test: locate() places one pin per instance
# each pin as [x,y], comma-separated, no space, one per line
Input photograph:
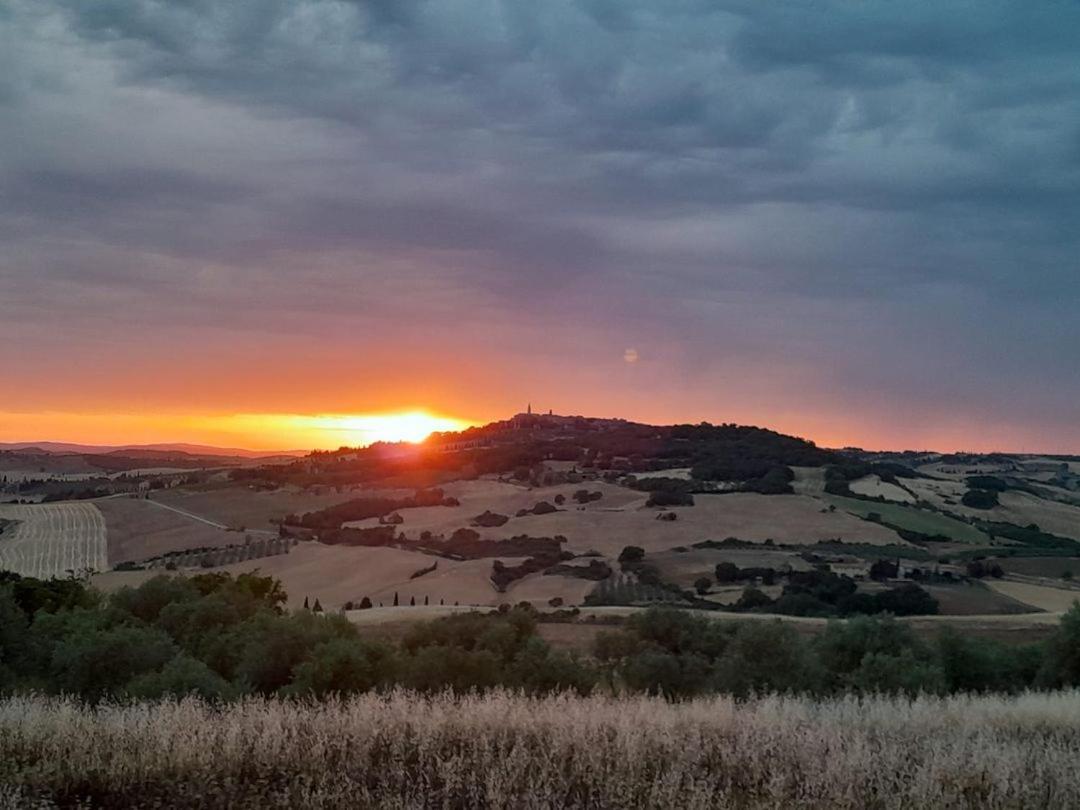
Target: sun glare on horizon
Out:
[252,431]
[357,430]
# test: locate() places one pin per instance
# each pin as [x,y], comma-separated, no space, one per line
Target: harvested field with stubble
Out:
[338,574]
[140,529]
[620,518]
[235,506]
[976,599]
[52,539]
[503,750]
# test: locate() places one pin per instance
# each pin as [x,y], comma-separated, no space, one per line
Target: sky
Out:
[854,221]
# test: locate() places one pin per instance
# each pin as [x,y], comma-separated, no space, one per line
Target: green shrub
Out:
[181,676]
[979,499]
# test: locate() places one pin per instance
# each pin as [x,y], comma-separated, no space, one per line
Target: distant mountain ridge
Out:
[147,450]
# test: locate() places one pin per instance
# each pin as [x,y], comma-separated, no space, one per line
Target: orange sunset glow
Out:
[252,431]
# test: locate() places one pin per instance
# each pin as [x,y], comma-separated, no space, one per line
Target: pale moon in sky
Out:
[630,356]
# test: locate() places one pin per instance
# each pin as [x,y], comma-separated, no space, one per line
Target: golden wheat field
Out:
[503,750]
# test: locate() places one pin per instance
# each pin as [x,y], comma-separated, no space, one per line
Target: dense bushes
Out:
[979,569]
[980,499]
[584,496]
[664,497]
[675,653]
[820,592]
[489,519]
[733,453]
[221,637]
[777,481]
[1031,536]
[990,483]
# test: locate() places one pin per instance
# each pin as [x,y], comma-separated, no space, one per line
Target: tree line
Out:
[222,637]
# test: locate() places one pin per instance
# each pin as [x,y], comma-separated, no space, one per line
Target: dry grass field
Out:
[335,575]
[502,750]
[139,529]
[958,472]
[1051,567]
[872,487]
[682,473]
[684,567]
[1050,516]
[1052,600]
[540,590]
[918,520]
[235,506]
[944,494]
[976,599]
[53,539]
[19,465]
[339,574]
[808,480]
[109,581]
[1019,508]
[620,518]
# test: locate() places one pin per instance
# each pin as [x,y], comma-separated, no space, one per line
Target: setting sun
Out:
[414,426]
[254,431]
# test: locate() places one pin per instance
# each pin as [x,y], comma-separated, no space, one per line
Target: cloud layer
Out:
[855,220]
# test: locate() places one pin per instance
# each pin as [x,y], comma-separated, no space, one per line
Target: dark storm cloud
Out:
[880,185]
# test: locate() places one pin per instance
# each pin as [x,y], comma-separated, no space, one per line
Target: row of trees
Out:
[679,654]
[817,592]
[221,637]
[821,592]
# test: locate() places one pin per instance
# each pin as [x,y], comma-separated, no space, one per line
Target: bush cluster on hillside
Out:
[662,497]
[363,508]
[980,499]
[838,476]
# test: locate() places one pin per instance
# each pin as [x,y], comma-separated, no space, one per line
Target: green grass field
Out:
[912,519]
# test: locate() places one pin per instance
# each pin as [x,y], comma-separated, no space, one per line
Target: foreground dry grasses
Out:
[502,750]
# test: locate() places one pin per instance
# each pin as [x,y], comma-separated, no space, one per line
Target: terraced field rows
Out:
[51,539]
